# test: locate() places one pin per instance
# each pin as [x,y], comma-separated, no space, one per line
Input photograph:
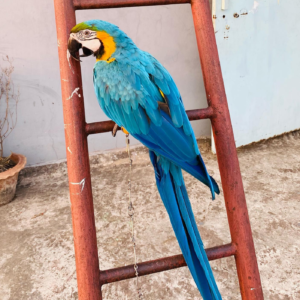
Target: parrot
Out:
[136,92]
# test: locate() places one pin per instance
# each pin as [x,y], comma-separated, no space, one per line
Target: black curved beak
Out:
[73,47]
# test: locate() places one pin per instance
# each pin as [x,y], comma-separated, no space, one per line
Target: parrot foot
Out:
[124,130]
[116,128]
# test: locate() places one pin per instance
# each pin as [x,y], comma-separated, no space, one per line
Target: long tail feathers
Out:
[172,190]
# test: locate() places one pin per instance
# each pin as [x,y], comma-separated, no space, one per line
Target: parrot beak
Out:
[89,47]
[73,47]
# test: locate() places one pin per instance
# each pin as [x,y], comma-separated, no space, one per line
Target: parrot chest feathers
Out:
[124,95]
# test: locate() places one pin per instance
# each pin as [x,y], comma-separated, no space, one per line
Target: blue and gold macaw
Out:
[139,95]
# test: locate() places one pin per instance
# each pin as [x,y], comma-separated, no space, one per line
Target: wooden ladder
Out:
[89,278]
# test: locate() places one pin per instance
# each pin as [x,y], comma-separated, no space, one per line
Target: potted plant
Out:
[9,166]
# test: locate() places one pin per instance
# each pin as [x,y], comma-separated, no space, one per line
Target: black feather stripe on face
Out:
[86,52]
[100,51]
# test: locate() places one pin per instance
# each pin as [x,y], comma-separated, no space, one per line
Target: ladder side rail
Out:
[232,184]
[83,220]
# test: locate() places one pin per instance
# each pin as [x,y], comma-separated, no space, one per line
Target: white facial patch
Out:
[93,44]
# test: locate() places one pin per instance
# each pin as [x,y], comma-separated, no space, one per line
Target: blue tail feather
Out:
[175,198]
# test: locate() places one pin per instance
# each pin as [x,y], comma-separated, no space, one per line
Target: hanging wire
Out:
[131,215]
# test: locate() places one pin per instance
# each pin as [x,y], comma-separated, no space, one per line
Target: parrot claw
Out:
[115,129]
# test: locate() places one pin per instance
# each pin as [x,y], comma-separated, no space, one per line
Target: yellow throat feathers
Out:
[108,44]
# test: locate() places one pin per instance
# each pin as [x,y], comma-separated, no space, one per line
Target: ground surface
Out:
[36,249]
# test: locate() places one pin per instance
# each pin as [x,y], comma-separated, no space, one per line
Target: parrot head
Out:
[95,37]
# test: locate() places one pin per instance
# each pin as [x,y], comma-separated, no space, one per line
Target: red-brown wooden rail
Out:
[89,278]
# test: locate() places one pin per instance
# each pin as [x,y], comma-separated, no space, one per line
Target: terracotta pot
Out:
[9,179]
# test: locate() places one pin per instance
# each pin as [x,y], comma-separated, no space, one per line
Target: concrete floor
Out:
[36,249]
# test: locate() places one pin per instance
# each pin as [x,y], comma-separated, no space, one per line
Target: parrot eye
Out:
[84,34]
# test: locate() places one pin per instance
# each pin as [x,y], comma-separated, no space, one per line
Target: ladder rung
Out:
[92,4]
[162,264]
[107,126]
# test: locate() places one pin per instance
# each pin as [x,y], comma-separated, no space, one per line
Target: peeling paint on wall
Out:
[255,6]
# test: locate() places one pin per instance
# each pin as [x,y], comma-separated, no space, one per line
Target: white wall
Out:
[260,62]
[28,34]
[260,59]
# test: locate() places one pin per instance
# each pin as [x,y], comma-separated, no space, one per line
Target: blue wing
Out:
[141,96]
